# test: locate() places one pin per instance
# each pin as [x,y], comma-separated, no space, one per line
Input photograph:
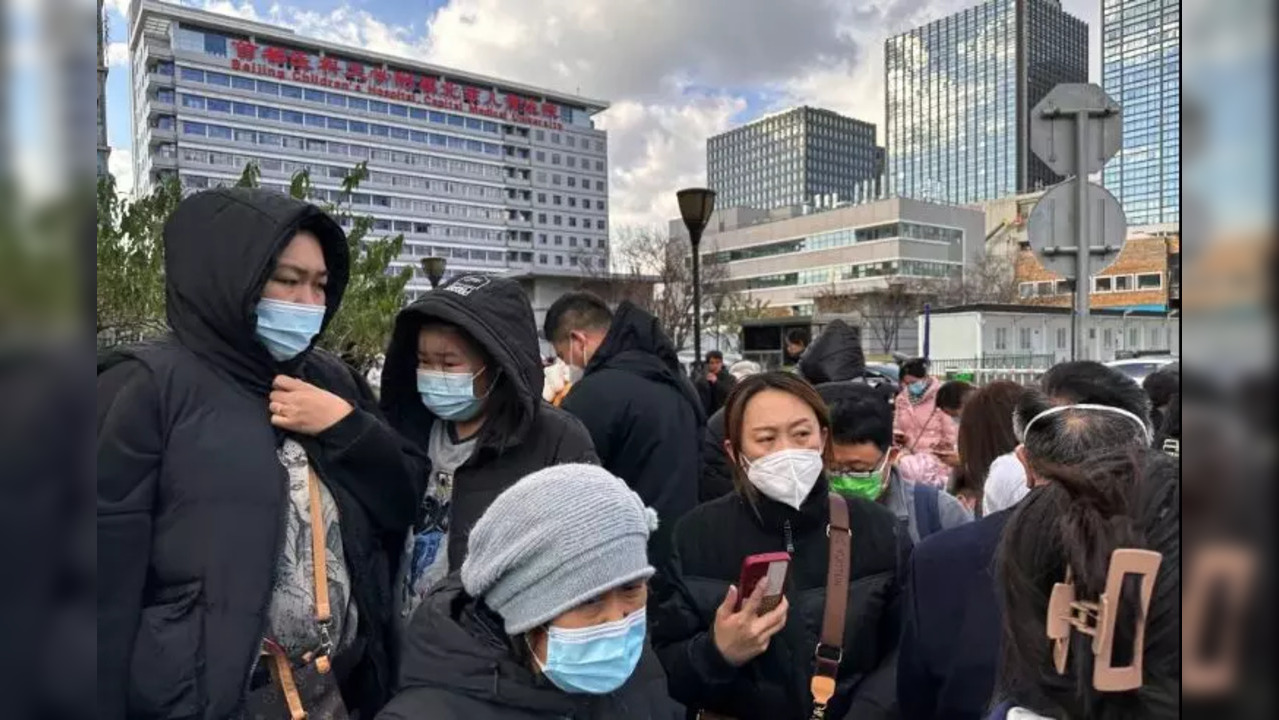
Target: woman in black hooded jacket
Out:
[213,444]
[463,381]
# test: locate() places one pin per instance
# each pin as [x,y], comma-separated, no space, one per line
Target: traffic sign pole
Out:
[1083,280]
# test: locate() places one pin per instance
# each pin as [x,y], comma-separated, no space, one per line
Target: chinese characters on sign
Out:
[353,76]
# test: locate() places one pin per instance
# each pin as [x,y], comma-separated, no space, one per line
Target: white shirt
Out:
[1005,484]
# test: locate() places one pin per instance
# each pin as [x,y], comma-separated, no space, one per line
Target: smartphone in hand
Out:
[775,568]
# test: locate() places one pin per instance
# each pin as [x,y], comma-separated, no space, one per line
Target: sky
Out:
[674,71]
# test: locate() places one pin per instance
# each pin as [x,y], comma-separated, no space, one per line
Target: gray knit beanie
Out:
[554,540]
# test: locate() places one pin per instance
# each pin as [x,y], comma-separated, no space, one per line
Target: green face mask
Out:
[866,485]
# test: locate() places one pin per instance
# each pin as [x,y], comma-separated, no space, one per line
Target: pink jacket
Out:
[925,428]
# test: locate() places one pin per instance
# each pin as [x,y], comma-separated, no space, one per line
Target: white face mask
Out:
[786,476]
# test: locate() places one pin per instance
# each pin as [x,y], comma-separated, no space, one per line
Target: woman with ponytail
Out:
[1110,525]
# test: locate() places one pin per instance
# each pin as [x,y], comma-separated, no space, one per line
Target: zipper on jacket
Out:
[790,545]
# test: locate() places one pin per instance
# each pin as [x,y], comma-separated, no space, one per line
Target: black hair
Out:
[1160,386]
[952,393]
[797,336]
[859,414]
[578,310]
[915,367]
[1127,498]
[1086,381]
[1070,436]
[714,355]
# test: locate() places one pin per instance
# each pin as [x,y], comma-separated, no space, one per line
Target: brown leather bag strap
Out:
[830,650]
[282,674]
[319,566]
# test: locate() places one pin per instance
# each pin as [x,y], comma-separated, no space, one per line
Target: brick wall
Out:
[1140,255]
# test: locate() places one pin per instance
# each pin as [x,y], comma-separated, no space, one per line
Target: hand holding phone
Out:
[742,629]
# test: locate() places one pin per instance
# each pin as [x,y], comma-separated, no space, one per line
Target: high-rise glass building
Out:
[959,93]
[788,158]
[494,176]
[1141,69]
[104,150]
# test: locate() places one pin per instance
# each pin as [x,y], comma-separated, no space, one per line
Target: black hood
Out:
[637,344]
[497,314]
[219,249]
[835,355]
[456,644]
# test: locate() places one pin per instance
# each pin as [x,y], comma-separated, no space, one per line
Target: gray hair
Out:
[1071,436]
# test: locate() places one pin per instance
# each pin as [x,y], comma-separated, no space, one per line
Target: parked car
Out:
[1139,367]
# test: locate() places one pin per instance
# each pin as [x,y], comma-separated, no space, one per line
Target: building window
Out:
[1001,338]
[1062,338]
[559,240]
[1123,283]
[1150,281]
[1133,338]
[557,199]
[559,259]
[1108,338]
[1044,289]
[1023,338]
[541,218]
[1026,290]
[1101,285]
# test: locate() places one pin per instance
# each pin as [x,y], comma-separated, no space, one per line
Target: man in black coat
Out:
[713,388]
[629,390]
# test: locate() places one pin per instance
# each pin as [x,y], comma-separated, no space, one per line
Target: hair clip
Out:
[1229,568]
[1097,619]
[1172,446]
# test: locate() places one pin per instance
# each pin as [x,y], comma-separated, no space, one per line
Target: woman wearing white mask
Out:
[721,654]
[463,381]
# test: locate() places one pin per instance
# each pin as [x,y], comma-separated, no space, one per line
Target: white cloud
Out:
[118,54]
[674,71]
[120,166]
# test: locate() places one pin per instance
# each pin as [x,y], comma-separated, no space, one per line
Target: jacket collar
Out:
[814,512]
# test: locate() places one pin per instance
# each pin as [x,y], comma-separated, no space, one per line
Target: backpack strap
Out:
[927,512]
[830,648]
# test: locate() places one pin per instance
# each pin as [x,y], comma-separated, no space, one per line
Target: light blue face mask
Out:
[595,660]
[450,396]
[917,388]
[287,328]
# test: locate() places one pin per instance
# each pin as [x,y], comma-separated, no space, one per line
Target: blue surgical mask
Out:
[450,396]
[595,660]
[287,328]
[918,388]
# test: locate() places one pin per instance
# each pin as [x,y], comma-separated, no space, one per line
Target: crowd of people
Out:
[496,537]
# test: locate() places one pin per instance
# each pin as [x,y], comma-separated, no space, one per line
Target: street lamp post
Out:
[434,269]
[695,207]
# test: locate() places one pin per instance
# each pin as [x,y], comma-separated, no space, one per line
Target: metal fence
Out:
[1023,369]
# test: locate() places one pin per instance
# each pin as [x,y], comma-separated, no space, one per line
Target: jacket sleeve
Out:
[130,446]
[695,669]
[600,415]
[574,444]
[916,686]
[385,472]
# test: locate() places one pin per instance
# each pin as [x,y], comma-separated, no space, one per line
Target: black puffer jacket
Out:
[836,354]
[459,664]
[644,416]
[709,546]
[717,471]
[192,496]
[521,434]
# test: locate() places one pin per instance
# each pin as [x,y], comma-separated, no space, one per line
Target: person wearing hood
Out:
[633,396]
[927,436]
[233,458]
[836,355]
[464,381]
[548,616]
[717,474]
[725,654]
